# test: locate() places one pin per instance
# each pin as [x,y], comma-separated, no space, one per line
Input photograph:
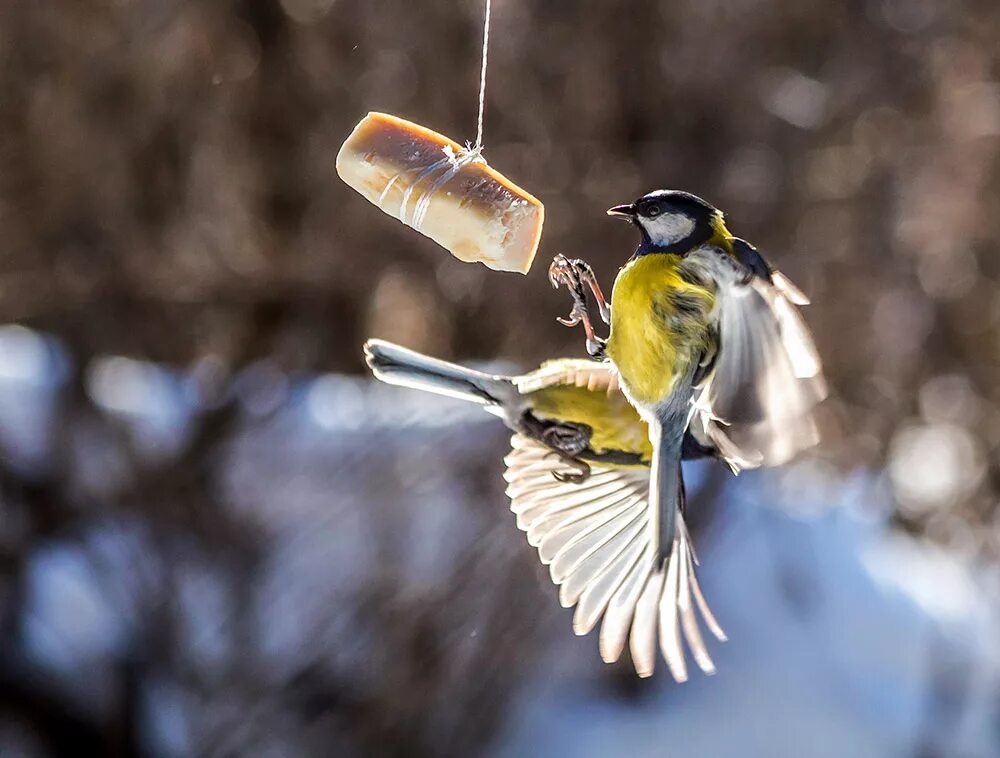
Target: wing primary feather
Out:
[591,568]
[595,597]
[540,507]
[549,490]
[572,556]
[621,607]
[575,519]
[787,287]
[594,531]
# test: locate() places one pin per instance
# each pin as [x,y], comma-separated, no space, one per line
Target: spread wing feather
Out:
[757,405]
[595,537]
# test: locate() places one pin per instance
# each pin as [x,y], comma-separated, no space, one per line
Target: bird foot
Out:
[574,274]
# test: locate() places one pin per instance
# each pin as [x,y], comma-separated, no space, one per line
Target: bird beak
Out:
[626,212]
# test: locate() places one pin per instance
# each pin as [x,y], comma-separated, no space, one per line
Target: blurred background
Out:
[218,537]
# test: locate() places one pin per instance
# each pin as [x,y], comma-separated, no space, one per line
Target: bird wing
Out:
[761,267]
[599,542]
[757,404]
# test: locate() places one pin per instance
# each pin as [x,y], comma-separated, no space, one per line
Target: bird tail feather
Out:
[666,489]
[664,610]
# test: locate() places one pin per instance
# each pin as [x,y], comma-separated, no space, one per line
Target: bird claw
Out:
[574,274]
[579,476]
[578,314]
[562,271]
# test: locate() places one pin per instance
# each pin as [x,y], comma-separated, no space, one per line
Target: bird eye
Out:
[653,210]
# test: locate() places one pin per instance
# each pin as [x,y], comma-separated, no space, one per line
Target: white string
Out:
[441,171]
[482,79]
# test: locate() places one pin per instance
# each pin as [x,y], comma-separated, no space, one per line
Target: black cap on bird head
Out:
[671,221]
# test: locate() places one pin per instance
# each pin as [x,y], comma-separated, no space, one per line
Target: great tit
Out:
[578,478]
[704,335]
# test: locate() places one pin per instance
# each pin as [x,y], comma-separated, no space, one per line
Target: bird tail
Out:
[664,608]
[406,368]
[666,488]
[664,611]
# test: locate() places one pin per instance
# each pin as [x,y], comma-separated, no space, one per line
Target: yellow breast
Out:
[659,324]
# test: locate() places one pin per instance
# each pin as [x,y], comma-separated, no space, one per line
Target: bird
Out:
[578,477]
[704,335]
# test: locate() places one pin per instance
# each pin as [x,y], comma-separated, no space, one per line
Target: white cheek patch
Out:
[669,228]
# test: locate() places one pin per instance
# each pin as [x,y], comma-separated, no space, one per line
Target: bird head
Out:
[671,220]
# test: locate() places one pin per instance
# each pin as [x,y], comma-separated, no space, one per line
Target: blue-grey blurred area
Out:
[218,537]
[350,581]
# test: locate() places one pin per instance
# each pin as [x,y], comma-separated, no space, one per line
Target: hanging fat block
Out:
[442,190]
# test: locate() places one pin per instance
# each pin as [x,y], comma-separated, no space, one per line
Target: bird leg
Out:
[586,275]
[575,274]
